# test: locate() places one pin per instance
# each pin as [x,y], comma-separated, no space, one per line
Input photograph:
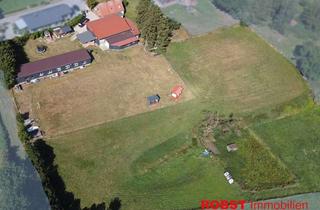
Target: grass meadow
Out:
[295,140]
[148,160]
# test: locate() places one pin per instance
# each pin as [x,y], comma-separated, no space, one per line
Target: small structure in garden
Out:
[232,147]
[176,91]
[48,36]
[154,99]
[62,31]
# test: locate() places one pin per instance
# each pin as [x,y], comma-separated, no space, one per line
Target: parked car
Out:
[228,177]
[33,81]
[32,128]
[83,22]
[27,122]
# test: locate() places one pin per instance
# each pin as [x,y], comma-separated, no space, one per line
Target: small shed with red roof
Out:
[176,91]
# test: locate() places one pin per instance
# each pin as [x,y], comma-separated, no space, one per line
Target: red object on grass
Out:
[176,91]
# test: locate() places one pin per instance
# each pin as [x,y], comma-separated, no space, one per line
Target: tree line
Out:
[42,157]
[156,29]
[280,15]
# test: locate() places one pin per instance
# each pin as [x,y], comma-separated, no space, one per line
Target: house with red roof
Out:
[113,32]
[111,7]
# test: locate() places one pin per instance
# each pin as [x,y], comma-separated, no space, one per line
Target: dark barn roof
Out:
[47,16]
[66,29]
[54,62]
[86,37]
[120,37]
[153,99]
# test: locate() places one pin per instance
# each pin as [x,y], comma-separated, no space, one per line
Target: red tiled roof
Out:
[108,26]
[57,61]
[110,7]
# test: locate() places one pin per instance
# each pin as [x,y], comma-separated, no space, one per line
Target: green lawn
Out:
[148,160]
[131,9]
[8,6]
[145,160]
[295,140]
[235,69]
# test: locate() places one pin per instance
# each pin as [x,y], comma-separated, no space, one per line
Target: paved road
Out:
[8,20]
[32,188]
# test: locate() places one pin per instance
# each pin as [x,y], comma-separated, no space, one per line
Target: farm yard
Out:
[199,19]
[114,86]
[150,160]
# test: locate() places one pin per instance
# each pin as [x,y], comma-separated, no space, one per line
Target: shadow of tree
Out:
[59,198]
[115,204]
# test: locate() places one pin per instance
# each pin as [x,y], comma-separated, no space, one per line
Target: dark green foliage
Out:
[24,136]
[307,59]
[278,14]
[155,27]
[37,35]
[8,62]
[125,3]
[42,157]
[76,20]
[310,17]
[92,3]
[243,23]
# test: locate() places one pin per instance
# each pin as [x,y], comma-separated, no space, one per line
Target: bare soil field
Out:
[114,86]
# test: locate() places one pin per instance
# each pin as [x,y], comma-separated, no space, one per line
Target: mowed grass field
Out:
[148,160]
[235,69]
[114,86]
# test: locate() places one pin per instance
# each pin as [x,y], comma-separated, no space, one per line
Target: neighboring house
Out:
[53,66]
[50,17]
[111,7]
[114,32]
[166,3]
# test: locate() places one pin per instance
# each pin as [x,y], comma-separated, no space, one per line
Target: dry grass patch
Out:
[114,86]
[53,48]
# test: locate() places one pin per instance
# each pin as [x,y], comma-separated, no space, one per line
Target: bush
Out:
[92,3]
[24,136]
[76,20]
[8,62]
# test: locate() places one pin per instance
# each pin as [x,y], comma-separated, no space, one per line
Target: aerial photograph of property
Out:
[159,104]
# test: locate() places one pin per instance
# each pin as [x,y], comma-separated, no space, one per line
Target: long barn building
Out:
[53,66]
